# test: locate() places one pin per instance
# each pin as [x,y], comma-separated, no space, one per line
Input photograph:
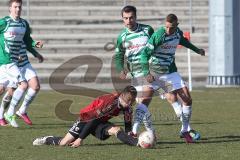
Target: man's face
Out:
[171,27]
[129,20]
[126,100]
[15,10]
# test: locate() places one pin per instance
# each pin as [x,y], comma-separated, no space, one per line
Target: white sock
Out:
[177,108]
[140,111]
[1,111]
[186,115]
[147,121]
[5,101]
[17,95]
[142,114]
[30,95]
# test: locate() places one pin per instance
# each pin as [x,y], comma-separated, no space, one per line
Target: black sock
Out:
[53,140]
[127,139]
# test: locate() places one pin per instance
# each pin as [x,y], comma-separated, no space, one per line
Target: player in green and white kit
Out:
[30,76]
[14,32]
[130,42]
[158,62]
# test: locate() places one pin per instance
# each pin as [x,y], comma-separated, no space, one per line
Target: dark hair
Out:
[130,89]
[11,1]
[171,18]
[128,9]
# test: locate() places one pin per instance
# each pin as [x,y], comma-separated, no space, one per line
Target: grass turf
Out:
[215,115]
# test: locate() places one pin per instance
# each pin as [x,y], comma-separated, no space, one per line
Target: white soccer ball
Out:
[147,139]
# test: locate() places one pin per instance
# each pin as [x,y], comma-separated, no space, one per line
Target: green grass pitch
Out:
[216,115]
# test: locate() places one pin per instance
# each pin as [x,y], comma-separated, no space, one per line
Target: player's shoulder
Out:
[122,34]
[161,29]
[179,31]
[160,32]
[3,23]
[5,19]
[24,21]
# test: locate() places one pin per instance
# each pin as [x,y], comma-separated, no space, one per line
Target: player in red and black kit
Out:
[94,118]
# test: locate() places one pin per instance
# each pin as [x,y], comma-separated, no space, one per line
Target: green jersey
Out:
[159,53]
[130,44]
[13,35]
[23,58]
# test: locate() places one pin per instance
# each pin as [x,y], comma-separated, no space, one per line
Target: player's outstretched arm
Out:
[40,58]
[186,43]
[201,52]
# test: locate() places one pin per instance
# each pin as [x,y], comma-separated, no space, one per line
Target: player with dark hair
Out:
[159,57]
[130,42]
[94,120]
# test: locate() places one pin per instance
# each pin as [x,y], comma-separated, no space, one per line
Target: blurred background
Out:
[73,29]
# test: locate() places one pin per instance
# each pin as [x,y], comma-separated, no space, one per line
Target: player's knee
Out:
[171,98]
[65,142]
[11,91]
[35,88]
[114,130]
[23,85]
[146,101]
[1,90]
[188,102]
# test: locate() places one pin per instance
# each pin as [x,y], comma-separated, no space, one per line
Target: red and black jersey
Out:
[104,108]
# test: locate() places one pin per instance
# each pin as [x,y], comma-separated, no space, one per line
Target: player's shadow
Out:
[162,123]
[220,139]
[170,142]
[104,144]
[50,126]
[206,140]
[122,144]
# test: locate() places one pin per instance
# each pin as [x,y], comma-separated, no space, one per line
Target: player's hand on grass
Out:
[123,74]
[150,78]
[39,44]
[201,52]
[76,143]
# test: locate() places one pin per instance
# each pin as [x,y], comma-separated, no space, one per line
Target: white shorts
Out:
[169,82]
[10,75]
[139,83]
[28,72]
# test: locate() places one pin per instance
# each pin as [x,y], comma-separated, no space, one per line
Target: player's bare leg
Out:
[34,87]
[4,105]
[68,139]
[186,101]
[17,95]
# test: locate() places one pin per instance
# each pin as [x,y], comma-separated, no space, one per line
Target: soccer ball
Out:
[147,139]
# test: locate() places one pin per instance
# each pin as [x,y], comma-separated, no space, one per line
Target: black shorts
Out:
[100,131]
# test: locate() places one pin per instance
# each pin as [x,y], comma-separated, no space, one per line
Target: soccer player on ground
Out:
[94,120]
[159,57]
[14,32]
[130,42]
